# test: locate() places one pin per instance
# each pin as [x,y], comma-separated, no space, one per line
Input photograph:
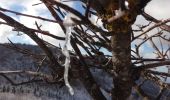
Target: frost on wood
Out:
[119,13]
[127,4]
[68,23]
[67,60]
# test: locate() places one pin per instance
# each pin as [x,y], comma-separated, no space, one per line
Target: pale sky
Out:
[157,8]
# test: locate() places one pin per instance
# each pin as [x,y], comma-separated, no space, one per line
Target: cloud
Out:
[159,9]
[25,6]
[156,8]
[5,32]
[7,4]
[16,5]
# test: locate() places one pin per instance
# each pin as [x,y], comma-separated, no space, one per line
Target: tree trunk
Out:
[121,59]
[121,50]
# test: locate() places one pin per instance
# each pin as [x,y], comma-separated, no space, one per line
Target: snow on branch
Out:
[68,23]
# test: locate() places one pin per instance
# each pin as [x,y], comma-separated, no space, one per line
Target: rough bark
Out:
[121,64]
[121,50]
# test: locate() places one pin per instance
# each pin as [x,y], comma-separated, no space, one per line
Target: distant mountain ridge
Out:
[13,60]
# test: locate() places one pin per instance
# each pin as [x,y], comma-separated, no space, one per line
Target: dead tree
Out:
[126,66]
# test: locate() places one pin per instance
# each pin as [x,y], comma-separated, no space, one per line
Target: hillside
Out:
[13,60]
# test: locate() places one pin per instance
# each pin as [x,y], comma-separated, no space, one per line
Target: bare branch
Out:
[153,65]
[158,73]
[152,27]
[31,16]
